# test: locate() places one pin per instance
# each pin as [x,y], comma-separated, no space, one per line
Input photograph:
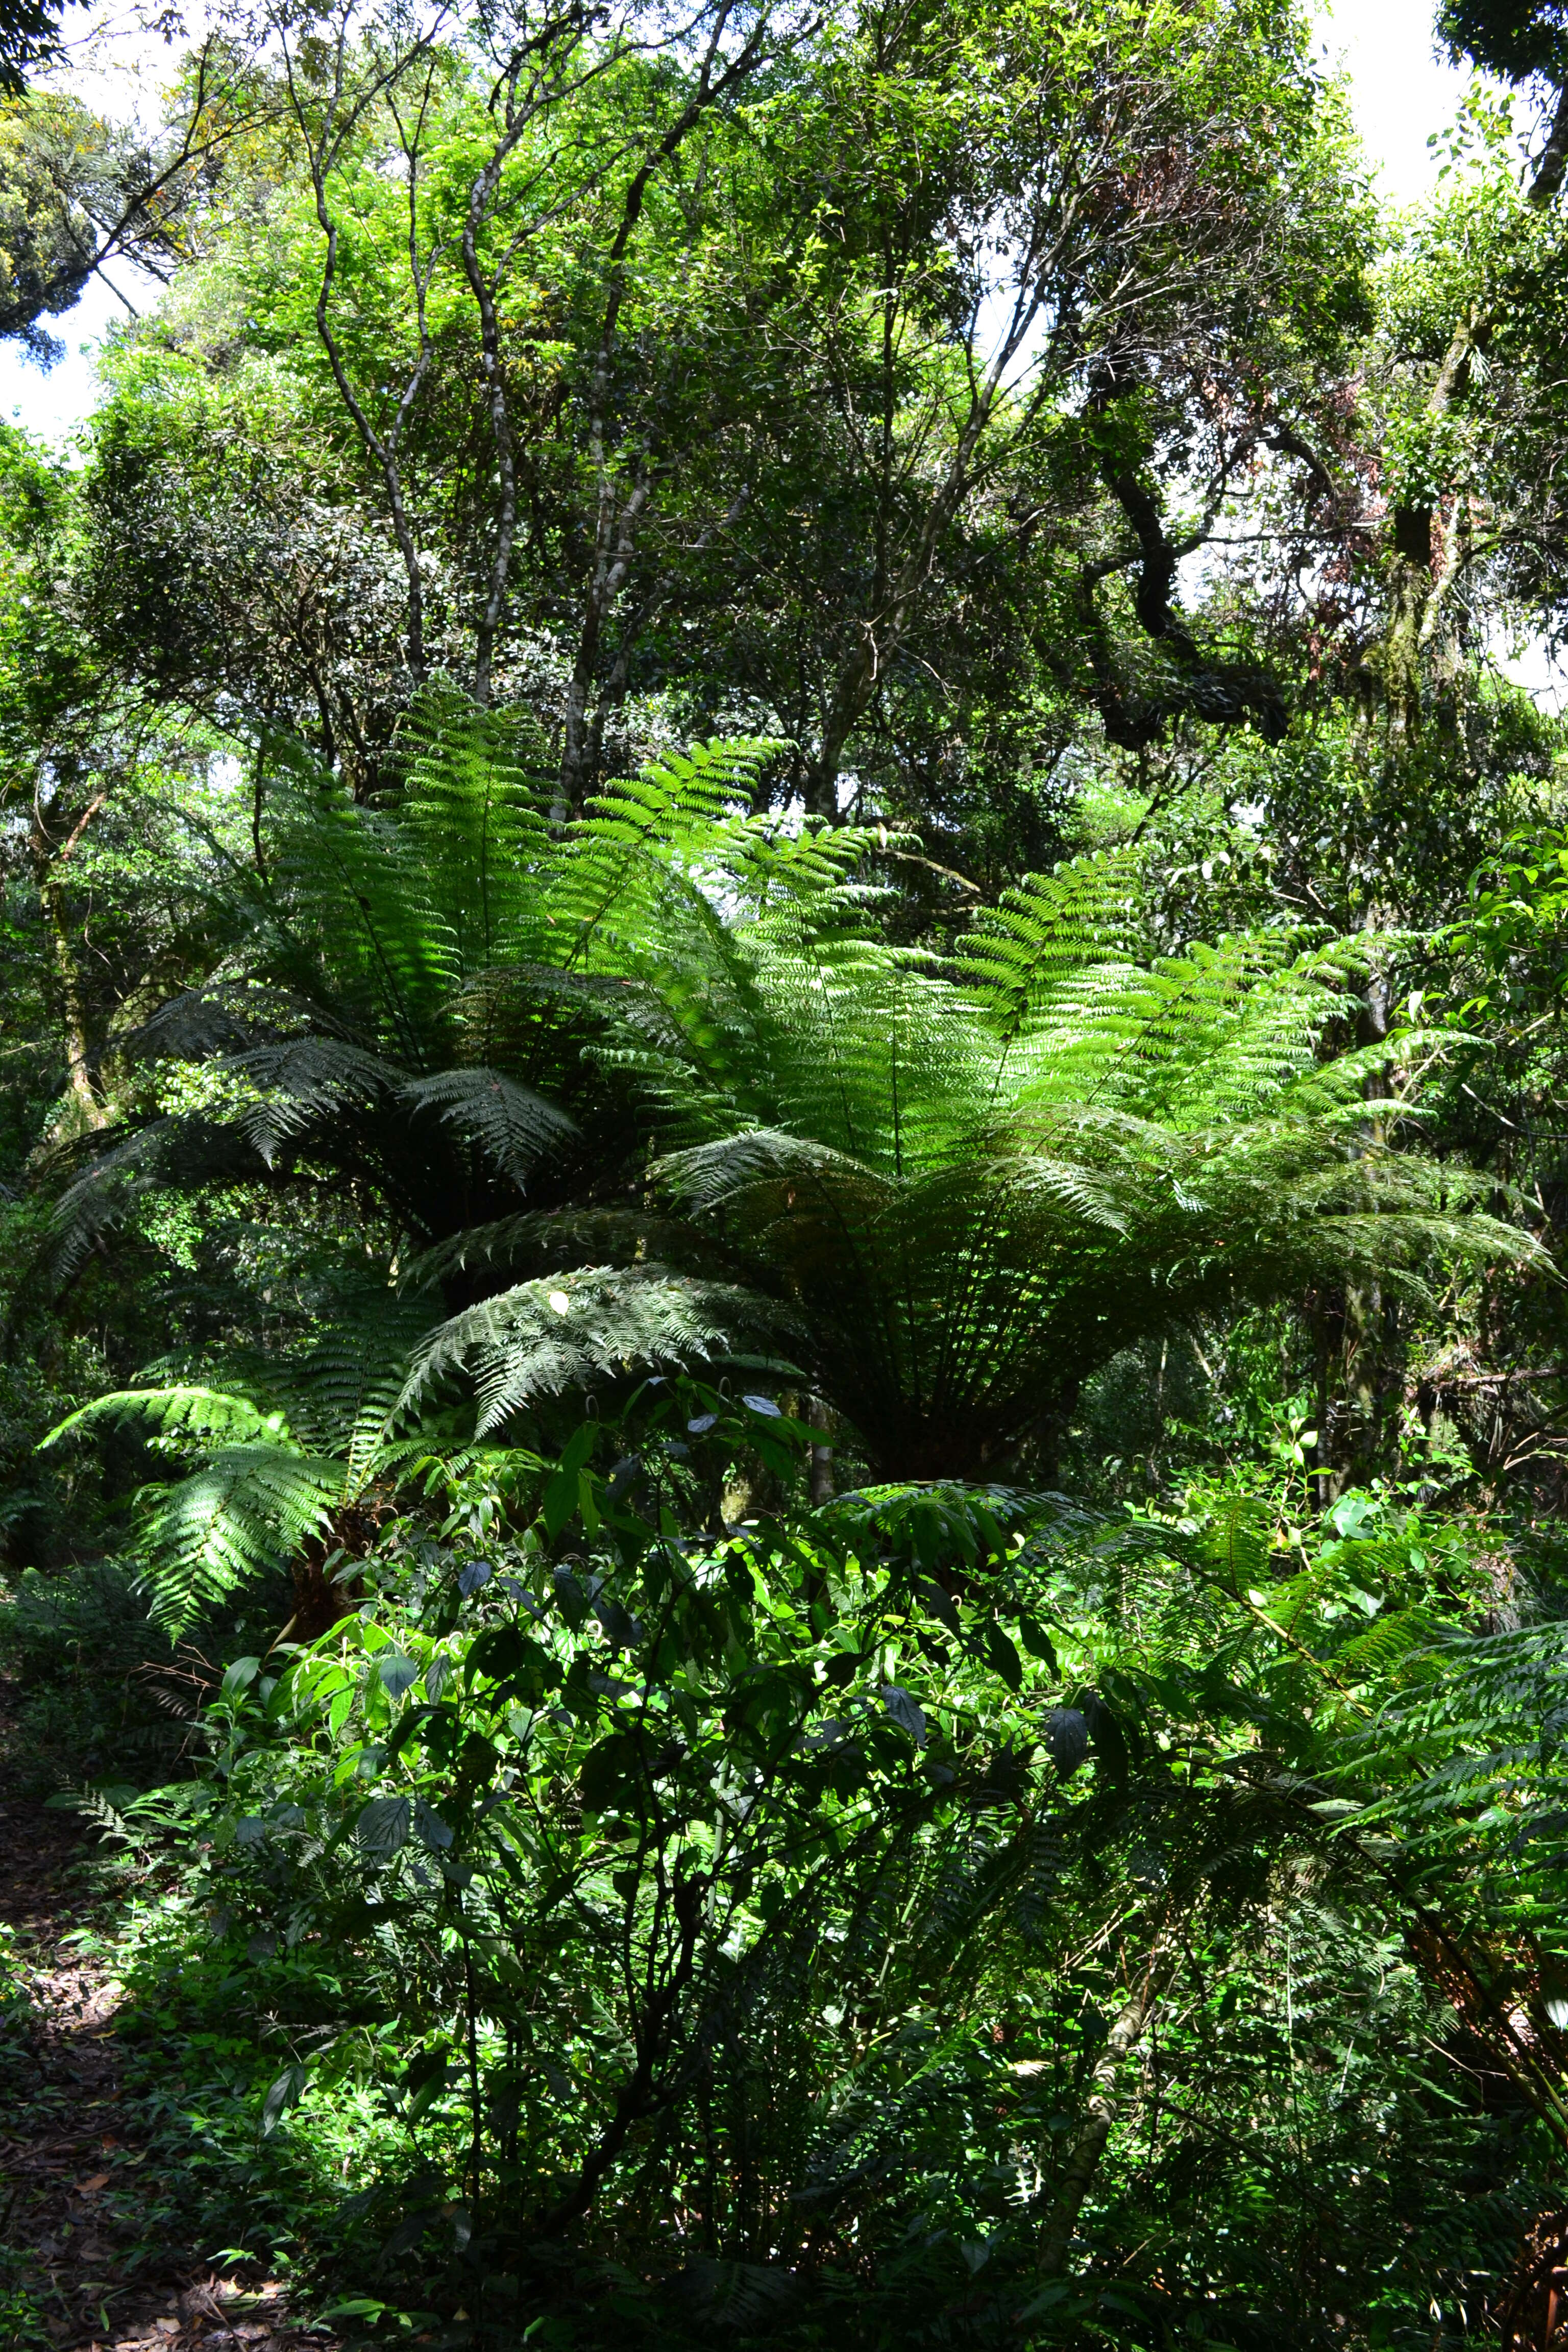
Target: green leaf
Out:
[383,1827]
[1106,1732]
[560,1500]
[902,1710]
[578,1448]
[572,1599]
[412,1722]
[498,1652]
[429,1828]
[612,1774]
[1036,1641]
[398,1673]
[283,2093]
[1003,1657]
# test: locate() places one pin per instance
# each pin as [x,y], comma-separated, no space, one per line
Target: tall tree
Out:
[30,36]
[898,363]
[1492,262]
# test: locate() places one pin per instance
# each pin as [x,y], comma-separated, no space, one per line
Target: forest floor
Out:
[82,2265]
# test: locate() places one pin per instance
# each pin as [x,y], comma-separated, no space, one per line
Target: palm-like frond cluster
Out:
[970,1184]
[411,991]
[655,1086]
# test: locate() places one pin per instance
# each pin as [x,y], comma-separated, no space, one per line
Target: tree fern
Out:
[960,1188]
[443,956]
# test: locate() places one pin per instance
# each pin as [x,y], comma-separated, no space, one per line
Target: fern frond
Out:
[1237,1547]
[176,1412]
[472,811]
[512,1125]
[341,1391]
[574,1330]
[618,854]
[172,1153]
[558,1238]
[1383,1648]
[306,1083]
[1051,926]
[247,1510]
[769,1171]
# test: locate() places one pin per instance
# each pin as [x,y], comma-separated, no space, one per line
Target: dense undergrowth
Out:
[849,1843]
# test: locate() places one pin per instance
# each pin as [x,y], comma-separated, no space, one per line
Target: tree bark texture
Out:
[49,869]
[1104,2104]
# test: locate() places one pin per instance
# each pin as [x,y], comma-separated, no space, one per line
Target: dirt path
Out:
[71,2212]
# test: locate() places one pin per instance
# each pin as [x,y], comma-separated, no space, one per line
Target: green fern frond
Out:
[574,1330]
[1238,1546]
[1048,928]
[247,1510]
[307,1082]
[512,1125]
[269,1481]
[557,1237]
[473,812]
[180,1412]
[340,1393]
[1383,1648]
[618,854]
[765,1173]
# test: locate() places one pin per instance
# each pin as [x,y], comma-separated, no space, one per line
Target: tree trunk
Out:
[1396,663]
[821,1454]
[1363,1332]
[1104,2100]
[48,865]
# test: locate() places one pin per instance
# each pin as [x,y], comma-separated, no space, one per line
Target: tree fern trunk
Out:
[48,867]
